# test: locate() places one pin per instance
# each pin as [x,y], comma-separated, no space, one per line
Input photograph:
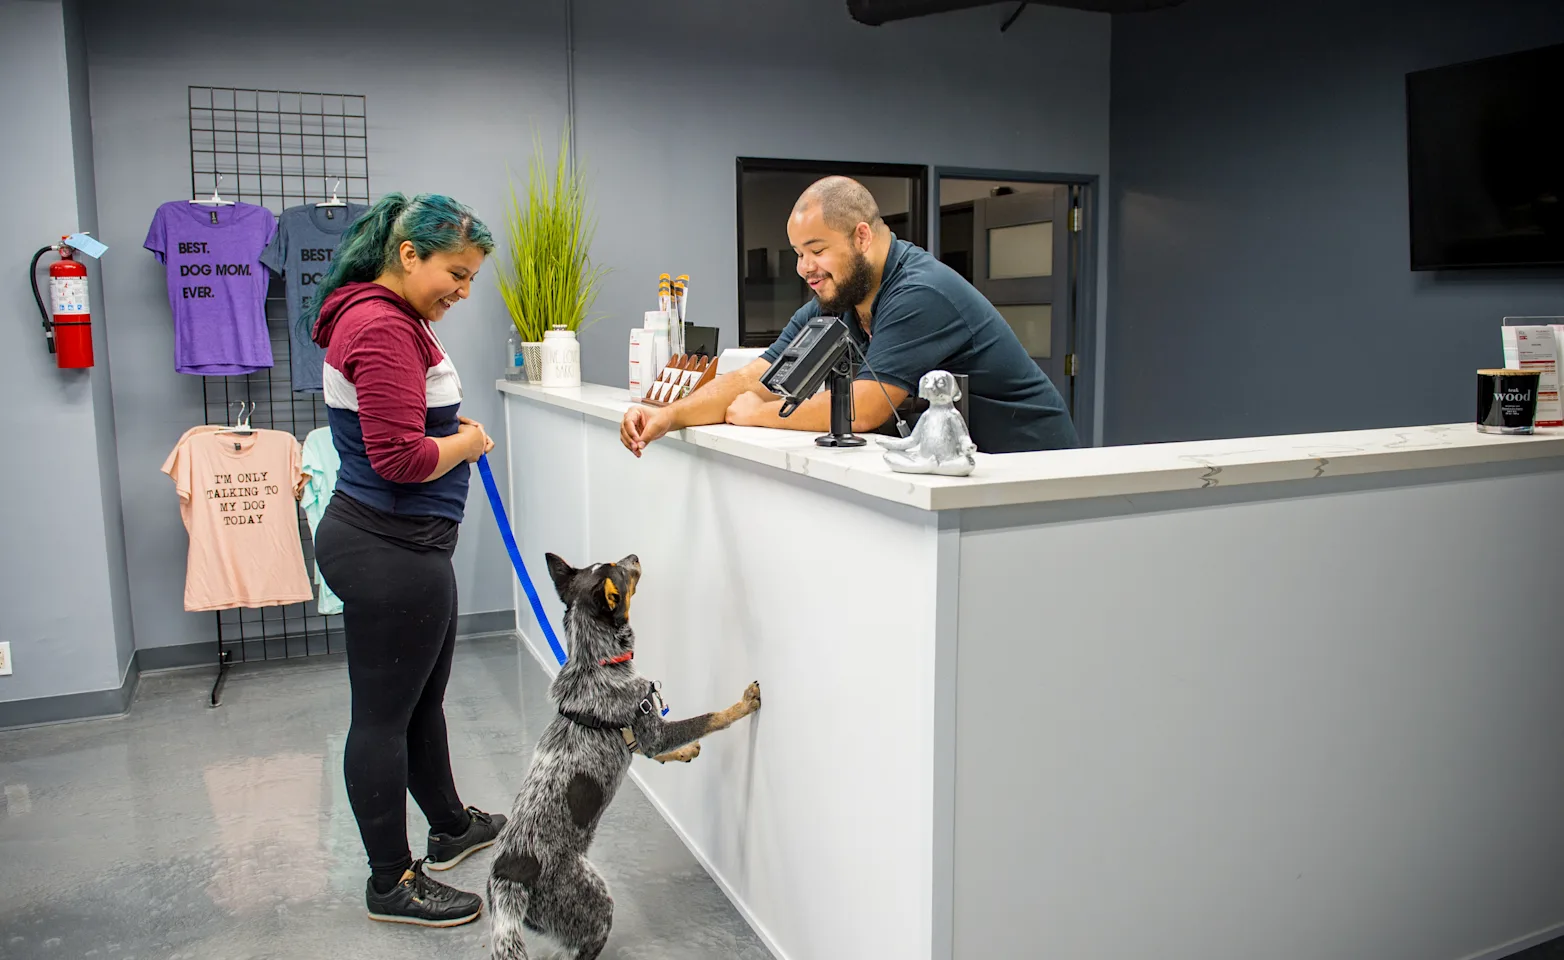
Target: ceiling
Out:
[877,12]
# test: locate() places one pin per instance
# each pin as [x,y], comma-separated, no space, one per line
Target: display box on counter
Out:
[682,376]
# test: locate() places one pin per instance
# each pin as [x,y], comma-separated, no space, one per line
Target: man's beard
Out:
[851,290]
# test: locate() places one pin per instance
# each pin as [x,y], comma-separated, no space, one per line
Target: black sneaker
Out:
[446,851]
[420,900]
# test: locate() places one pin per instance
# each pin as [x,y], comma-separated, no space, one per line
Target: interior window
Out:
[770,289]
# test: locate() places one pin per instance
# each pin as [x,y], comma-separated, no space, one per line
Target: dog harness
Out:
[644,708]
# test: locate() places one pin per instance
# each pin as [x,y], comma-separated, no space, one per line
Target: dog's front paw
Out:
[751,699]
[684,754]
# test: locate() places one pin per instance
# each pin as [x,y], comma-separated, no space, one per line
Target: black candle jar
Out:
[1507,400]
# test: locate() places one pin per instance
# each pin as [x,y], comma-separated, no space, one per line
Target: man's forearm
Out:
[813,414]
[871,410]
[710,403]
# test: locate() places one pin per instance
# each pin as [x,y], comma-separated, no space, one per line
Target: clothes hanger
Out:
[241,426]
[334,201]
[215,200]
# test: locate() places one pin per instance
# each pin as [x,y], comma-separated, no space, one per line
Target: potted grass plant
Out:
[546,274]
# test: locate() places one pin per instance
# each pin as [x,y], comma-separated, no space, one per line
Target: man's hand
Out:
[641,426]
[744,408]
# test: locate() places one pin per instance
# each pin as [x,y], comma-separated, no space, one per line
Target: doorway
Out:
[1022,241]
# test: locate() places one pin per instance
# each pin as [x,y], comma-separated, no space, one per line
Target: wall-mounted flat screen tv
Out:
[1485,162]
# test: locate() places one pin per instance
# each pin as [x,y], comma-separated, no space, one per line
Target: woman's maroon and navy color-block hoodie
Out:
[389,387]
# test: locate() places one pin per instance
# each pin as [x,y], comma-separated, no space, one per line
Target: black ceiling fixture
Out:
[876,12]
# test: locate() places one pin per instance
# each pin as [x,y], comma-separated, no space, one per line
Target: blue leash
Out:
[515,557]
[521,568]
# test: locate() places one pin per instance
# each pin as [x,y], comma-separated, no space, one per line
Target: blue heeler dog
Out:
[541,879]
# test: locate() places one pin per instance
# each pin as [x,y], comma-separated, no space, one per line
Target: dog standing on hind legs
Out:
[540,879]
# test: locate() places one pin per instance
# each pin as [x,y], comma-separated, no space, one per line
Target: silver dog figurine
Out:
[939,443]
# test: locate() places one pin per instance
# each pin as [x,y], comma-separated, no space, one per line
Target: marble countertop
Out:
[1013,478]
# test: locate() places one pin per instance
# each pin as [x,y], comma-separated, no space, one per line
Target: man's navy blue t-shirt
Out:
[925,317]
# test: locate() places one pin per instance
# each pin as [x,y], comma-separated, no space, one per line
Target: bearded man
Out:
[909,314]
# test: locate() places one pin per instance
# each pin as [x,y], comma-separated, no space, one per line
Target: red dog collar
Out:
[625,657]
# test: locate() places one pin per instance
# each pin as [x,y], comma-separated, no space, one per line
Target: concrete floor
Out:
[180,832]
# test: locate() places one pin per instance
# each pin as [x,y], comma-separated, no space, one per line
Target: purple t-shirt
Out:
[216,284]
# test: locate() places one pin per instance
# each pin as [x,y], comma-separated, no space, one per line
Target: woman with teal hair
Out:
[385,542]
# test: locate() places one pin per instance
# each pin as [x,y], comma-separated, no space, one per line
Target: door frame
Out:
[1083,333]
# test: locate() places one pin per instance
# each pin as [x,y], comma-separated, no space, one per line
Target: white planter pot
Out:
[532,361]
[561,358]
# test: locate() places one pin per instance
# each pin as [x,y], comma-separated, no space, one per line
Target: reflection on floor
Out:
[185,832]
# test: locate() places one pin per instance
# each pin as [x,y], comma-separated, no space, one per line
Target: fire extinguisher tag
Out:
[69,295]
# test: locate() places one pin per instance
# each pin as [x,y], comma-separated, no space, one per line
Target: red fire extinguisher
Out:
[69,330]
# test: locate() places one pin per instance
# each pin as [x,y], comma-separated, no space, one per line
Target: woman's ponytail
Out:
[371,244]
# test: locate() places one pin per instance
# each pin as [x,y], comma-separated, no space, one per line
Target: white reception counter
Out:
[1293,697]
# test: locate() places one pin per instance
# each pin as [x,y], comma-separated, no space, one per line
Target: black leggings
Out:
[399,615]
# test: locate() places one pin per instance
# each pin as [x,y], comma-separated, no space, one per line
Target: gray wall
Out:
[103,392]
[658,133]
[660,125]
[445,115]
[58,594]
[1259,220]
[664,201]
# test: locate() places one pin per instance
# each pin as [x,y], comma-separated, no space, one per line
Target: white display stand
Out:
[1291,697]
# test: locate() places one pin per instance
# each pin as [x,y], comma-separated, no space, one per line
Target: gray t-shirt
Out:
[301,252]
[927,317]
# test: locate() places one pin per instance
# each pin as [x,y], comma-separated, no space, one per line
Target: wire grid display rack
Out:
[276,149]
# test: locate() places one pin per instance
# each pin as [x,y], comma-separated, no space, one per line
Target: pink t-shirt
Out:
[237,498]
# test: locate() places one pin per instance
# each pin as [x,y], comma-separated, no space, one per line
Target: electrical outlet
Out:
[5,658]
